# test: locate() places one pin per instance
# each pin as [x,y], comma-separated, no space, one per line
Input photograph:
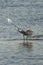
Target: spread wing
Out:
[37,36]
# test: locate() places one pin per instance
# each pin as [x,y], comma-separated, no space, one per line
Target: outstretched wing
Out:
[37,36]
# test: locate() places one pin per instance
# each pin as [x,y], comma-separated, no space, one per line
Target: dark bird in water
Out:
[27,33]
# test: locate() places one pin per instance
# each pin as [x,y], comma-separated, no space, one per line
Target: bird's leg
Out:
[23,38]
[27,38]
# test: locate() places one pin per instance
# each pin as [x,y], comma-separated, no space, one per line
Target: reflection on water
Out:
[18,53]
[27,44]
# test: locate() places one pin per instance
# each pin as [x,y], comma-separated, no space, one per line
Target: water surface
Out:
[25,14]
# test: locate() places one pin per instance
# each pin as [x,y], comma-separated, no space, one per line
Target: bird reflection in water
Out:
[26,34]
[28,44]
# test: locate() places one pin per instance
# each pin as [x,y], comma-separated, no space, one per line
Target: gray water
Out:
[25,14]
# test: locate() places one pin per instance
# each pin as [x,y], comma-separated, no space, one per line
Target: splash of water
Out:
[9,20]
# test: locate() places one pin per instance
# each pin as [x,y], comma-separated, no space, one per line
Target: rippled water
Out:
[14,53]
[25,14]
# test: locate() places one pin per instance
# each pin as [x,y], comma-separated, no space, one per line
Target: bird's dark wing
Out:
[37,36]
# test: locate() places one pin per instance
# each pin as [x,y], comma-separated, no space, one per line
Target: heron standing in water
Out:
[27,33]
